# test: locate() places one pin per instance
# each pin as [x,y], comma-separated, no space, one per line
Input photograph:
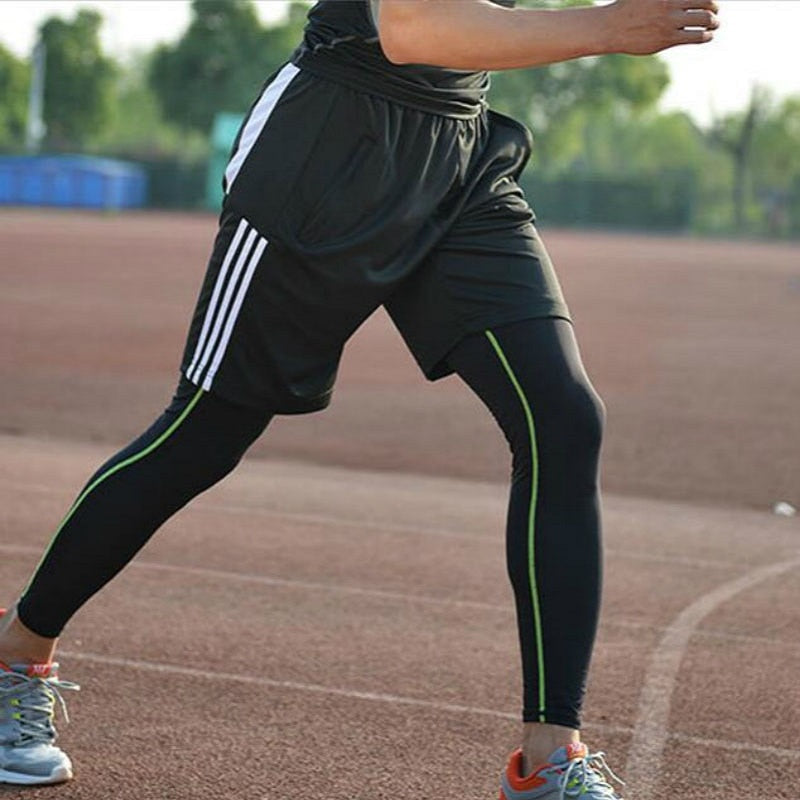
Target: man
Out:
[368,172]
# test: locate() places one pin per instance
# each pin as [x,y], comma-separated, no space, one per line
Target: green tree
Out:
[14,79]
[641,144]
[776,166]
[776,144]
[137,128]
[221,61]
[735,135]
[558,101]
[79,80]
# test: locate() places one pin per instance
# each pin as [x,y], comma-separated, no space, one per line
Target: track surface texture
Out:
[334,619]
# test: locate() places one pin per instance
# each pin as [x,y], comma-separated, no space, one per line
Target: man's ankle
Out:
[19,644]
[540,741]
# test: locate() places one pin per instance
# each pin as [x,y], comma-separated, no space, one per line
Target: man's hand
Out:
[643,27]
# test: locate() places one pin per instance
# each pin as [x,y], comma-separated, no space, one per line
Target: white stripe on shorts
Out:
[237,304]
[223,308]
[257,120]
[225,304]
[212,306]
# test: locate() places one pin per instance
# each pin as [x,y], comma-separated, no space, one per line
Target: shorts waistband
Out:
[455,103]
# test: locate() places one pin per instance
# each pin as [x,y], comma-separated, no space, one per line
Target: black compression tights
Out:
[531,378]
[195,443]
[528,374]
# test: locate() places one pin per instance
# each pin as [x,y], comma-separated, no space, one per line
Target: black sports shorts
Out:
[337,202]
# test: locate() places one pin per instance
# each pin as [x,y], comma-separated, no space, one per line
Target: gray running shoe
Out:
[571,772]
[28,696]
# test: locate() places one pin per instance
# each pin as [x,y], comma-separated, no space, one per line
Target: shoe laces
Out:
[36,699]
[586,776]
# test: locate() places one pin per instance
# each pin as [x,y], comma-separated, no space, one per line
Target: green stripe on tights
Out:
[537,617]
[116,468]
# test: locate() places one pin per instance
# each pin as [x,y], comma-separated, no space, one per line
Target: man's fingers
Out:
[707,5]
[694,37]
[699,19]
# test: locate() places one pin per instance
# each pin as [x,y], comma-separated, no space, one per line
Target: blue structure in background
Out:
[71,182]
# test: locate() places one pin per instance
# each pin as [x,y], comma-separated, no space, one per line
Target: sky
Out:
[757,43]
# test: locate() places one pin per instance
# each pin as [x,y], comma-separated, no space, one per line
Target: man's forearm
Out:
[480,35]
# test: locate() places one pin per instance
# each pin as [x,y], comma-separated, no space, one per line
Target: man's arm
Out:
[480,35]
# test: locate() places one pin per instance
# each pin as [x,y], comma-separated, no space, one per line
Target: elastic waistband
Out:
[458,103]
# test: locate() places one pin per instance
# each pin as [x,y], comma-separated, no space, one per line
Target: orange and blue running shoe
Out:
[28,697]
[571,772]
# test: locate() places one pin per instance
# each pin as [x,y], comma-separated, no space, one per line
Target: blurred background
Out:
[667,189]
[702,140]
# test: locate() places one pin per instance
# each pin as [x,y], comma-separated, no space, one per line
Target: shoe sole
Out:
[58,775]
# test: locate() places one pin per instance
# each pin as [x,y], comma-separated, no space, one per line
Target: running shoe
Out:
[28,697]
[571,772]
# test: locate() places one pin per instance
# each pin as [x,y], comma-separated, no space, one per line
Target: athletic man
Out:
[361,178]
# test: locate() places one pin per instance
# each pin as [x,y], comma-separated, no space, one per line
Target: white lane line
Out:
[392,699]
[683,561]
[706,633]
[324,519]
[725,744]
[336,691]
[205,506]
[651,730]
[267,580]
[492,538]
[361,591]
[327,587]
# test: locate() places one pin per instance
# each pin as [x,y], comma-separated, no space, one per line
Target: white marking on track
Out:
[328,587]
[725,744]
[203,507]
[651,730]
[336,691]
[326,519]
[393,699]
[708,633]
[289,583]
[257,680]
[267,580]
